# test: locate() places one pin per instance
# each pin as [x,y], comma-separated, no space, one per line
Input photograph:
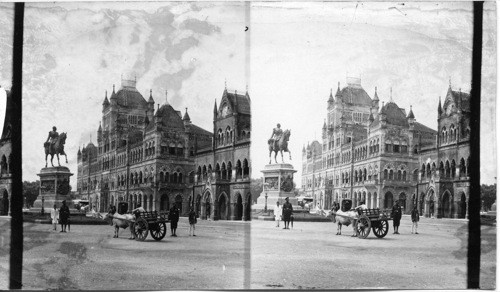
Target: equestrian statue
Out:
[55,146]
[279,143]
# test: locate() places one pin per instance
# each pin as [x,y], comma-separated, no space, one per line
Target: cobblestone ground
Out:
[311,256]
[235,255]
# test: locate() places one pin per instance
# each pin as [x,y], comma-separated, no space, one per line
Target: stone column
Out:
[214,215]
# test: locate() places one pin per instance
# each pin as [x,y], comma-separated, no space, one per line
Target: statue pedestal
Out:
[277,185]
[54,188]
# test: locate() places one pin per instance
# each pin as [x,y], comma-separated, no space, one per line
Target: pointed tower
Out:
[411,118]
[440,109]
[338,95]
[99,134]
[186,119]
[105,103]
[113,97]
[330,99]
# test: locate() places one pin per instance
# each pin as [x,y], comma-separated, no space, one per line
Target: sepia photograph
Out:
[248,145]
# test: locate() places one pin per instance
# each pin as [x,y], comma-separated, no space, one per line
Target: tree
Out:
[30,191]
[255,188]
[488,195]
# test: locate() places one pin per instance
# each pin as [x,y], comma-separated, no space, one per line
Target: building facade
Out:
[223,169]
[142,155]
[376,153]
[5,160]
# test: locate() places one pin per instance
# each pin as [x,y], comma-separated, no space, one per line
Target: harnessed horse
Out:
[279,146]
[55,149]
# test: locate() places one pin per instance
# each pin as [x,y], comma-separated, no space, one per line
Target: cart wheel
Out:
[141,229]
[363,225]
[158,230]
[381,228]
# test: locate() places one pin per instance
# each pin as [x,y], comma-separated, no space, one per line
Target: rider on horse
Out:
[53,135]
[276,135]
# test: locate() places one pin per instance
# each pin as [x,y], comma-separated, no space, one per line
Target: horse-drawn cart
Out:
[152,221]
[372,219]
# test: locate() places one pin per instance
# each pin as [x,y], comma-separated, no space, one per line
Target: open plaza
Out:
[250,255]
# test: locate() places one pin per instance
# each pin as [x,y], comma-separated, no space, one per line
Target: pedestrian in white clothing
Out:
[278,211]
[54,214]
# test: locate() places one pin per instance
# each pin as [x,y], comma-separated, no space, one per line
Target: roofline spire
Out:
[225,83]
[166,96]
[390,100]
[113,88]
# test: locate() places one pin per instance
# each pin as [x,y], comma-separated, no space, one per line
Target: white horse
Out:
[121,221]
[342,218]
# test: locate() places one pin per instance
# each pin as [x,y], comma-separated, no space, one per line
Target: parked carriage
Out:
[150,221]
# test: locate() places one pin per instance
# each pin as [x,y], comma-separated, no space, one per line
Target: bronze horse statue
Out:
[279,146]
[56,149]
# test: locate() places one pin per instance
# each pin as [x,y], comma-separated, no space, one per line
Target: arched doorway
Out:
[402,202]
[178,203]
[421,204]
[388,200]
[463,206]
[223,202]
[198,205]
[164,203]
[431,204]
[4,203]
[446,205]
[208,206]
[239,208]
[248,207]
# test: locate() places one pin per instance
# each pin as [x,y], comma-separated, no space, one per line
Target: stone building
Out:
[379,154]
[5,159]
[142,155]
[444,182]
[222,178]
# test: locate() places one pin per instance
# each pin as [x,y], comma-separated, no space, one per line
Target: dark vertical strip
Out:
[248,227]
[16,237]
[474,246]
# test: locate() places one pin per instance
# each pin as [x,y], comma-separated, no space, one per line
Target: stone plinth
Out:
[54,188]
[277,184]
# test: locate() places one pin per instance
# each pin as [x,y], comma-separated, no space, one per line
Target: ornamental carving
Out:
[287,183]
[271,183]
[47,186]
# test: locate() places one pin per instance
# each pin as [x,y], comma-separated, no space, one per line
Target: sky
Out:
[292,55]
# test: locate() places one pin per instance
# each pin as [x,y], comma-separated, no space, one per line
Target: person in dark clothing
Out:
[415,217]
[287,213]
[63,216]
[173,216]
[192,221]
[112,209]
[396,217]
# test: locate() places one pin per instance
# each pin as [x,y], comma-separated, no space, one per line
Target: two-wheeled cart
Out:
[153,222]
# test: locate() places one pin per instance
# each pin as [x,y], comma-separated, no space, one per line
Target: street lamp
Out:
[266,185]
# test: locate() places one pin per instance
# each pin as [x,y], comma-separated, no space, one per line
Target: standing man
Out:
[63,216]
[276,135]
[192,221]
[278,212]
[54,214]
[287,213]
[396,217]
[415,217]
[173,216]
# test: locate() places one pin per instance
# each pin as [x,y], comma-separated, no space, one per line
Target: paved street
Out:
[308,256]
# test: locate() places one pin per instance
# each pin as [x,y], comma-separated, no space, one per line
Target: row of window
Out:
[224,171]
[447,169]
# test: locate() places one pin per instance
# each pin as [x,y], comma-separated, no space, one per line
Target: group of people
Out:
[60,216]
[283,213]
[396,217]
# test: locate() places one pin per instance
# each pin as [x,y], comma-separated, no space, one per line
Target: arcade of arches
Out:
[223,207]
